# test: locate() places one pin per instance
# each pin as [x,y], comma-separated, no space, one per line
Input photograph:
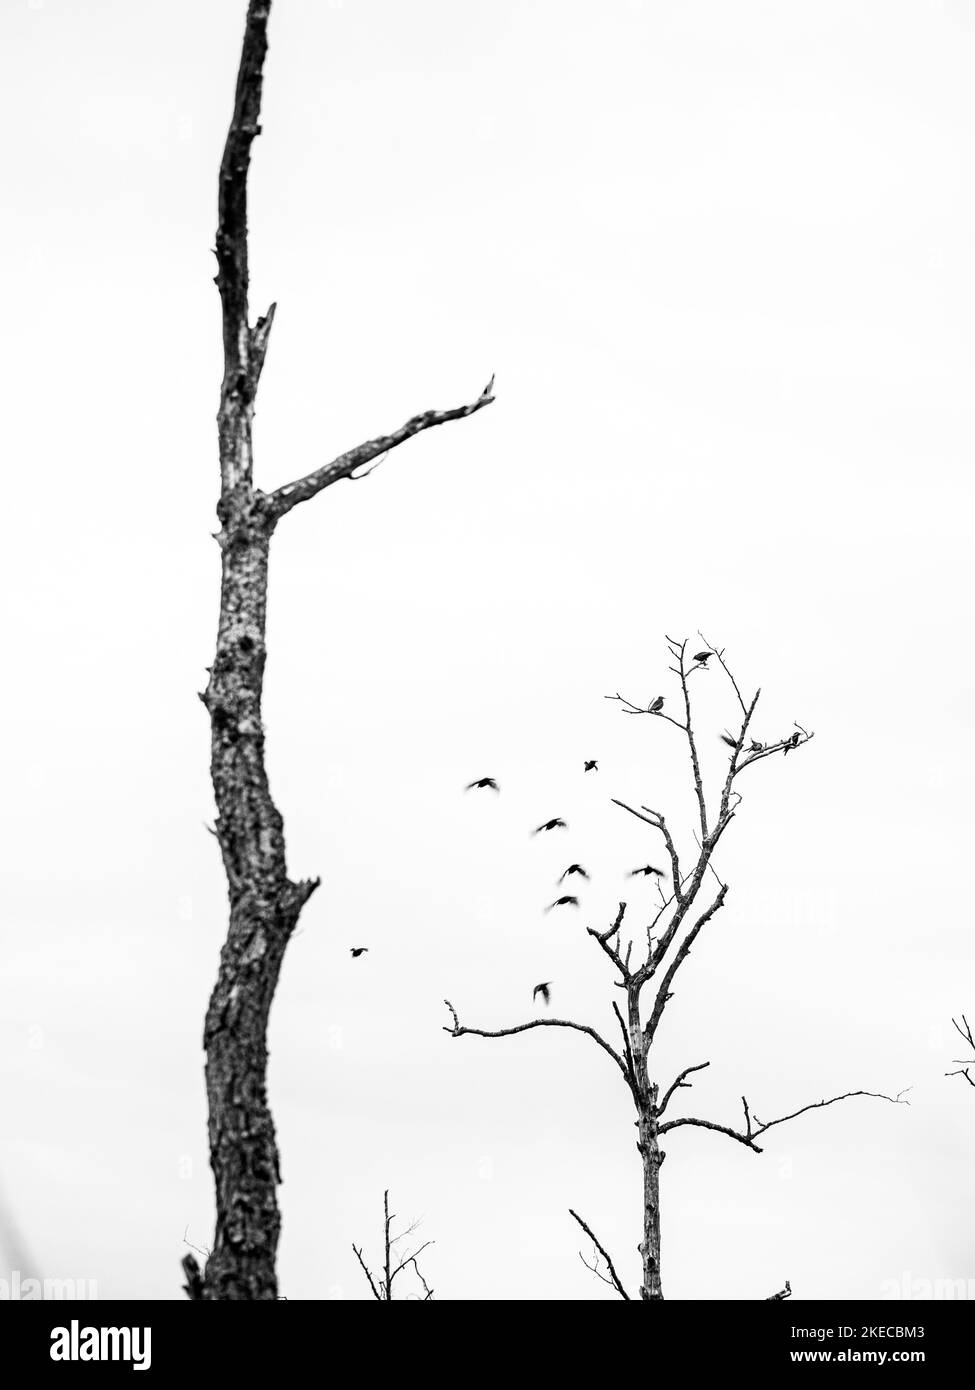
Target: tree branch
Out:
[458,1031]
[365,1269]
[755,1127]
[663,992]
[614,1278]
[678,1084]
[964,1063]
[288,496]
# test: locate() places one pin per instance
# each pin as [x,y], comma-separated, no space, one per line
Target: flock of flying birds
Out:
[573,871]
[557,823]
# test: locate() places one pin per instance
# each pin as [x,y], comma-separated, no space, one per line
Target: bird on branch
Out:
[483,782]
[556,824]
[568,900]
[543,990]
[731,742]
[655,706]
[703,657]
[573,869]
[792,742]
[591,765]
[756,747]
[646,870]
[357,951]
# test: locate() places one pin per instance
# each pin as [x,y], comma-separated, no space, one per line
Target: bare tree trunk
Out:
[652,1157]
[264,902]
[264,909]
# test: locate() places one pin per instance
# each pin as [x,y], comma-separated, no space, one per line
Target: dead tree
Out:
[394,1263]
[672,930]
[964,1064]
[264,901]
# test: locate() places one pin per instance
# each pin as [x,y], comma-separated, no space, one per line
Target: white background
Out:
[719,257]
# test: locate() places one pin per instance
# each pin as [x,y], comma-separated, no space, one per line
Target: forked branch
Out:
[613,1280]
[964,1064]
[754,1127]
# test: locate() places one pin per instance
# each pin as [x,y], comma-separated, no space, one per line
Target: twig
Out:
[614,1278]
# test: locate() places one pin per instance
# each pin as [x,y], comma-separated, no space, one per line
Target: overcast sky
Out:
[720,258]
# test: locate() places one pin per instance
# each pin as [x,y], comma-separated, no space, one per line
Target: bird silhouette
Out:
[556,824]
[573,869]
[591,765]
[569,900]
[655,706]
[543,990]
[756,747]
[731,742]
[703,657]
[483,782]
[646,870]
[791,743]
[357,951]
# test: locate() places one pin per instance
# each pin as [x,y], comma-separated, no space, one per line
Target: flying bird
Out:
[573,869]
[542,990]
[703,657]
[483,782]
[556,824]
[569,900]
[646,870]
[357,951]
[656,705]
[591,765]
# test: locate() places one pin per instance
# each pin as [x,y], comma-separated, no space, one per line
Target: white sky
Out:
[719,257]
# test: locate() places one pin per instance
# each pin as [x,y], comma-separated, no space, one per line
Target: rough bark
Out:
[264,902]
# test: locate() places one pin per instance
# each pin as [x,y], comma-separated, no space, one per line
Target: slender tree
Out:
[265,901]
[646,975]
[395,1262]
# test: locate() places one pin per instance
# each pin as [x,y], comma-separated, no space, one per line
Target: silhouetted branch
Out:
[783,1293]
[382,1289]
[288,496]
[458,1031]
[964,1030]
[614,1279]
[754,1127]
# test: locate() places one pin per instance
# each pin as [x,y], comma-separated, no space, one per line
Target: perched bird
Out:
[591,765]
[483,782]
[646,870]
[731,742]
[573,869]
[703,657]
[542,990]
[569,900]
[756,747]
[557,824]
[357,951]
[791,743]
[655,706]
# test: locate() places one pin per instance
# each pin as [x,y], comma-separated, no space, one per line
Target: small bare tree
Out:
[683,913]
[265,902]
[964,1065]
[394,1262]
